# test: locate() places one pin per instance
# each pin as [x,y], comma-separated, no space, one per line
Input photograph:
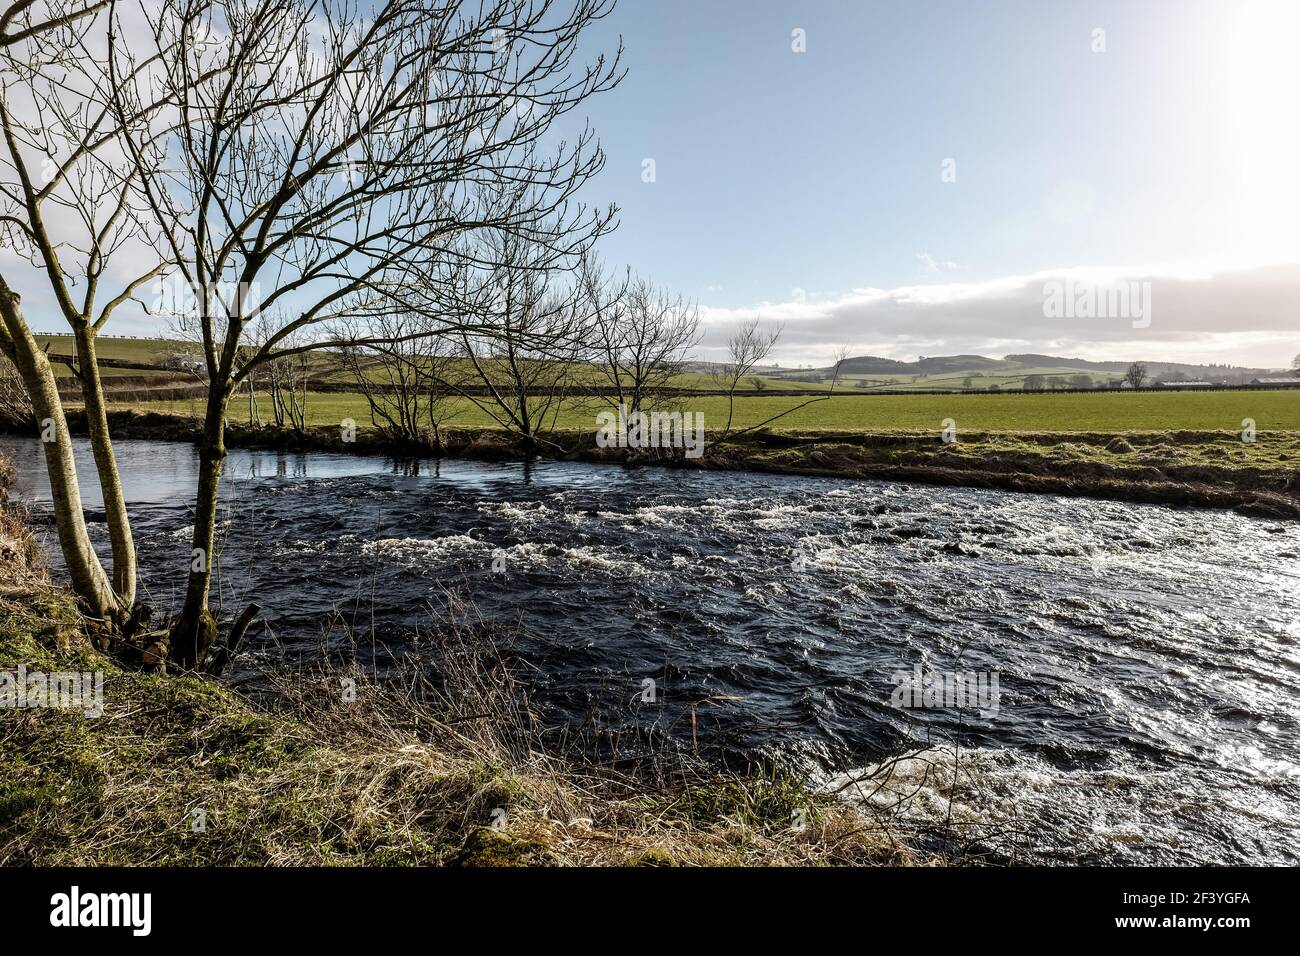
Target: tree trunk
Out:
[110,482]
[254,413]
[195,630]
[89,582]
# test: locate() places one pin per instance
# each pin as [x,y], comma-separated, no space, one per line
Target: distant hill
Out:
[958,363]
[1211,371]
[870,364]
[1018,363]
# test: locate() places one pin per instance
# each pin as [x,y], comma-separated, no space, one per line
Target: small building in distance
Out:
[1278,381]
[183,362]
[1185,384]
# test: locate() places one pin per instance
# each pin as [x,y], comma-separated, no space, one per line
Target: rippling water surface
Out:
[1148,658]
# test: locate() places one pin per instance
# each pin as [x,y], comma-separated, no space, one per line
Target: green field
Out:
[978,381]
[154,351]
[891,409]
[145,351]
[130,350]
[1107,412]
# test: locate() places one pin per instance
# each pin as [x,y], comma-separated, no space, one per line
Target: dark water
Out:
[1147,657]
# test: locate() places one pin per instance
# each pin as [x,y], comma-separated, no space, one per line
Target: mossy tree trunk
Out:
[89,581]
[194,630]
[110,481]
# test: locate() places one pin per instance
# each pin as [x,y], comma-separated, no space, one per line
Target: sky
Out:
[808,188]
[924,177]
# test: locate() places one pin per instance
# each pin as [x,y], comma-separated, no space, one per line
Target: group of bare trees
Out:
[642,334]
[537,333]
[405,378]
[309,172]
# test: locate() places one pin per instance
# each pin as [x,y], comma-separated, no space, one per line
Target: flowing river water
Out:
[1147,659]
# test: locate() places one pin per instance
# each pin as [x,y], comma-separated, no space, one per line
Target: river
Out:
[1146,659]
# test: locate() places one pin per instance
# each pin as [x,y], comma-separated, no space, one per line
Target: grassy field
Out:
[154,351]
[1107,412]
[970,381]
[894,411]
[148,351]
[131,350]
[691,380]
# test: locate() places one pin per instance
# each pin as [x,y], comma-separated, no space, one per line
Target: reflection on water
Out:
[1148,660]
[162,471]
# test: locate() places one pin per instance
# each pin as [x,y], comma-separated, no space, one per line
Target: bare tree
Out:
[69,206]
[747,347]
[641,335]
[286,376]
[408,380]
[528,337]
[15,406]
[27,19]
[250,388]
[1136,374]
[330,157]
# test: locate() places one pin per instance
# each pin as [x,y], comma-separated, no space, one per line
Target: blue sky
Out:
[807,189]
[778,171]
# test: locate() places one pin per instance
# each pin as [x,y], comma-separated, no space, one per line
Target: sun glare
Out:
[1263,136]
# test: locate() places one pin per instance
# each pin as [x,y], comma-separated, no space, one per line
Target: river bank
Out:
[181,771]
[1208,469]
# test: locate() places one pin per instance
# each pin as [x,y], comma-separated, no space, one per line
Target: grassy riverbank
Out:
[1199,469]
[392,778]
[1214,468]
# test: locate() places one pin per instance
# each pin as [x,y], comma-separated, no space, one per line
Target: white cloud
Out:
[1244,316]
